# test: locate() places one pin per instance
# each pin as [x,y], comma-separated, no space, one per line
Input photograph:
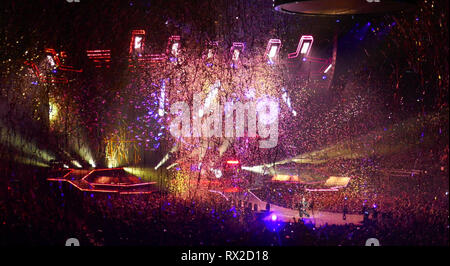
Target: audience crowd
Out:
[47,213]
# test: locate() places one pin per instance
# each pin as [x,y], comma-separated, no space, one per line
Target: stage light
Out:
[320,189]
[112,163]
[328,68]
[236,49]
[92,163]
[50,60]
[217,172]
[54,61]
[281,177]
[173,47]
[274,217]
[52,111]
[287,100]
[210,52]
[236,55]
[99,57]
[162,98]
[260,169]
[144,173]
[76,163]
[52,57]
[273,52]
[233,162]
[171,166]
[30,161]
[137,42]
[303,47]
[20,143]
[166,157]
[273,47]
[285,178]
[286,97]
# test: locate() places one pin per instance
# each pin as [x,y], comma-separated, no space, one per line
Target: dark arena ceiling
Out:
[342,7]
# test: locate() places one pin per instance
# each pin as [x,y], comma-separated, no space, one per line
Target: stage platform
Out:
[111,180]
[317,218]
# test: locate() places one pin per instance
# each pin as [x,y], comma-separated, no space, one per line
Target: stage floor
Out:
[317,218]
[114,180]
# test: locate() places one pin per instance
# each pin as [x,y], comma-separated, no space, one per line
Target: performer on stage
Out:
[365,213]
[374,212]
[303,205]
[344,213]
[268,207]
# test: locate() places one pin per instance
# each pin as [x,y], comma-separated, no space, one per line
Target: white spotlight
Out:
[328,68]
[272,49]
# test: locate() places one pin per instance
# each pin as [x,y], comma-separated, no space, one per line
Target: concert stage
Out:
[317,218]
[111,180]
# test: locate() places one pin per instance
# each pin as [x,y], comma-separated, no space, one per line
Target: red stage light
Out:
[232,162]
[99,57]
[137,42]
[54,60]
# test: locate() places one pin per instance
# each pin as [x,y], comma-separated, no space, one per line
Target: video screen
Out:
[226,123]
